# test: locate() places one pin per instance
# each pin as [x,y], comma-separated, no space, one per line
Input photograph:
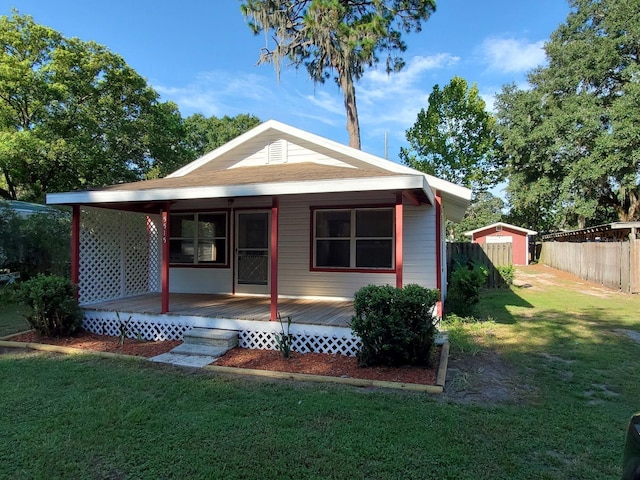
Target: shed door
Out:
[252,252]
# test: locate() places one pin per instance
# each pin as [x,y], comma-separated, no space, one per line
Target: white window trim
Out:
[196,238]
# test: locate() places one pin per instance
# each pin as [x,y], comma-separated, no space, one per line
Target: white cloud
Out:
[326,101]
[379,84]
[220,93]
[510,55]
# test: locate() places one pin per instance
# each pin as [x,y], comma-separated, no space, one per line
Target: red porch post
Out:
[275,208]
[399,239]
[165,258]
[438,207]
[75,249]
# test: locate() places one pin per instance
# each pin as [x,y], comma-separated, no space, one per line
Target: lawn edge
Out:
[11,335]
[438,388]
[442,367]
[67,350]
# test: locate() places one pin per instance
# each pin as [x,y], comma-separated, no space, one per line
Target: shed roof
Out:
[470,233]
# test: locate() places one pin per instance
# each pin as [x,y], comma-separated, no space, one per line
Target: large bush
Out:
[464,287]
[395,325]
[54,309]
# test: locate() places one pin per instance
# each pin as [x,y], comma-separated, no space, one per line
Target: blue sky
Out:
[201,55]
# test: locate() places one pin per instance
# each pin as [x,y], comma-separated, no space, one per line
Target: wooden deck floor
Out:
[312,312]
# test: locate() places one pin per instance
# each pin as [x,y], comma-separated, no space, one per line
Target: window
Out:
[198,238]
[353,239]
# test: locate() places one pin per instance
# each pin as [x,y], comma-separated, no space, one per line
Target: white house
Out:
[277,220]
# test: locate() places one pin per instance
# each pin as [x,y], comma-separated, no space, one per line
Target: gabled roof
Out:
[503,225]
[277,159]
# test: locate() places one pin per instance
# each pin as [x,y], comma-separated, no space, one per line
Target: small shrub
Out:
[464,287]
[508,273]
[395,325]
[123,327]
[284,339]
[54,309]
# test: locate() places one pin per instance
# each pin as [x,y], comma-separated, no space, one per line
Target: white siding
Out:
[200,280]
[420,246]
[294,276]
[292,153]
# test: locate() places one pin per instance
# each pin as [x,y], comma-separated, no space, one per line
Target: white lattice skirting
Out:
[255,335]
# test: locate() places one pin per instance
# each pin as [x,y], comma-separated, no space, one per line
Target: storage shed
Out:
[501,232]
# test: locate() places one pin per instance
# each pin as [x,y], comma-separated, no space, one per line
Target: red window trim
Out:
[374,206]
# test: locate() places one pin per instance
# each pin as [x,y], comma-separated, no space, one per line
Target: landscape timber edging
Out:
[438,388]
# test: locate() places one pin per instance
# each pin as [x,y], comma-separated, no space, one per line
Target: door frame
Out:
[244,288]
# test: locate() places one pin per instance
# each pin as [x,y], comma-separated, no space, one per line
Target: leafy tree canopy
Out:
[73,114]
[485,209]
[572,140]
[338,38]
[199,135]
[206,134]
[455,138]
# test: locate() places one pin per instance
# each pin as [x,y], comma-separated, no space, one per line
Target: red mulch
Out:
[324,364]
[310,363]
[102,343]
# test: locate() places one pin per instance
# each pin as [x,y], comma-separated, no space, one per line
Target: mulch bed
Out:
[328,365]
[309,363]
[102,343]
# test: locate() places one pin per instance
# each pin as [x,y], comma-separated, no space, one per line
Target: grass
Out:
[81,417]
[12,314]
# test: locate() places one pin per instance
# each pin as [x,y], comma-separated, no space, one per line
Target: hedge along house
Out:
[277,221]
[505,233]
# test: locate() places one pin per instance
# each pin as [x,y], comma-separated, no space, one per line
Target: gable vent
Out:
[277,153]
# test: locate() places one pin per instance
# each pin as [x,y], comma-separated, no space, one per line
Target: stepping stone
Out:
[197,361]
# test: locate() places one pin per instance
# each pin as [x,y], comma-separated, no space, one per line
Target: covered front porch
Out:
[317,325]
[332,313]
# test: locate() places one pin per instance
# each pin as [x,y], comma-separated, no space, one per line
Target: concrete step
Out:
[197,361]
[211,336]
[197,349]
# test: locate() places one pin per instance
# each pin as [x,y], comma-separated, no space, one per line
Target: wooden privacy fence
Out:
[489,255]
[612,264]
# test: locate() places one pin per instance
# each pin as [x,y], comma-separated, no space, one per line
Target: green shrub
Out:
[464,287]
[395,325]
[54,309]
[39,243]
[508,273]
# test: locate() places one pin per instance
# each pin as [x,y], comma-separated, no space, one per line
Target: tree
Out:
[337,37]
[455,138]
[571,141]
[73,114]
[205,134]
[485,209]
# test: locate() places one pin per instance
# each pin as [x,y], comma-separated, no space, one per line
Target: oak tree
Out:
[74,115]
[571,140]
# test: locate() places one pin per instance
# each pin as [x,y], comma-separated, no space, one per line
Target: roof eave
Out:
[400,182]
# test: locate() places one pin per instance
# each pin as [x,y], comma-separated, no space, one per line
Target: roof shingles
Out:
[295,172]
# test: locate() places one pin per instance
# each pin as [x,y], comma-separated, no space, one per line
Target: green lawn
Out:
[83,417]
[12,319]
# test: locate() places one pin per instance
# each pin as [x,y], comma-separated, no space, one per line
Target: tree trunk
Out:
[353,125]
[12,189]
